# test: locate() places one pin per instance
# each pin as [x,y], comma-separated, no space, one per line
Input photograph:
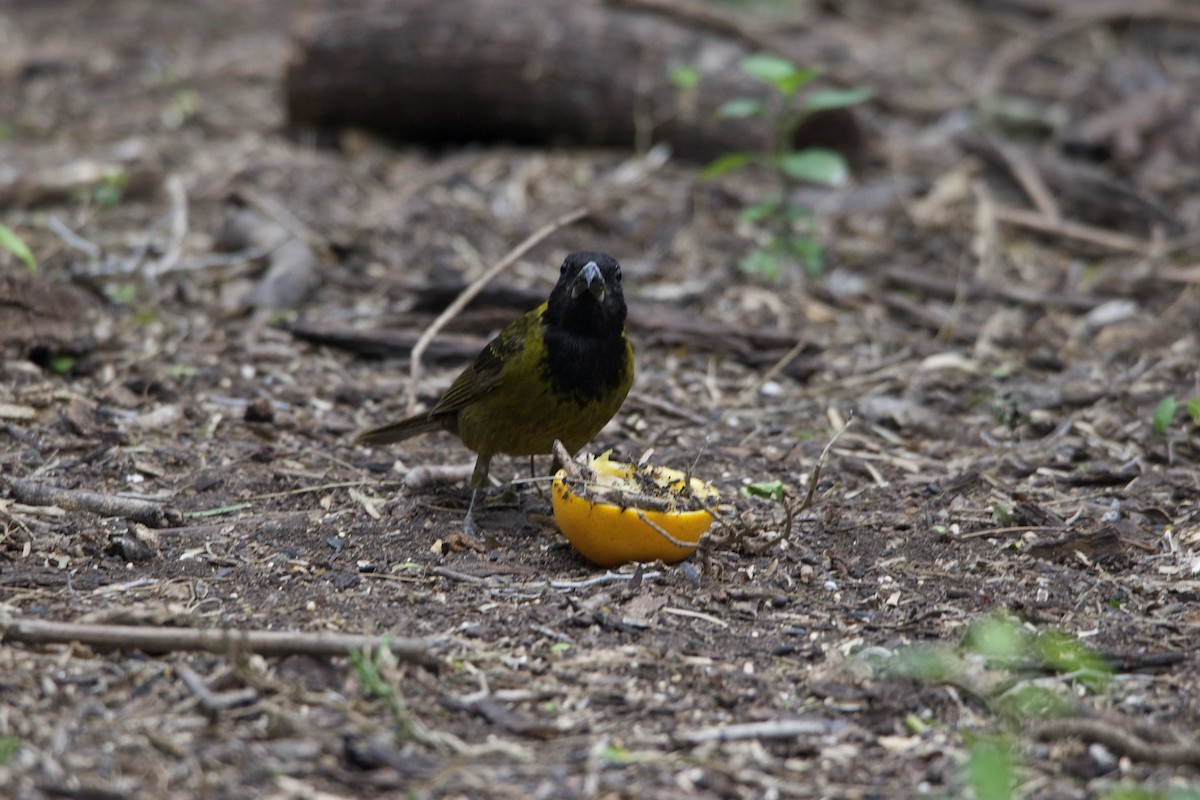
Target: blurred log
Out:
[535,73]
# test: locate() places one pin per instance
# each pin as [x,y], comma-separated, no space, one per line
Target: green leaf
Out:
[1193,410]
[121,292]
[990,770]
[1164,412]
[923,664]
[768,68]
[111,186]
[778,72]
[759,211]
[740,108]
[810,252]
[1066,654]
[816,165]
[726,163]
[9,745]
[16,245]
[998,638]
[62,364]
[761,262]
[773,490]
[837,98]
[685,77]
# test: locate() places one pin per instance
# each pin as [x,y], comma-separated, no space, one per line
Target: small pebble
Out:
[260,410]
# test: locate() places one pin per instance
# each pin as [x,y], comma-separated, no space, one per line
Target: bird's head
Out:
[588,299]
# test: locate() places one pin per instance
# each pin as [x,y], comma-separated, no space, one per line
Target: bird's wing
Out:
[484,374]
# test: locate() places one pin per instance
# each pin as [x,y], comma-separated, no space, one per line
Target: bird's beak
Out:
[591,280]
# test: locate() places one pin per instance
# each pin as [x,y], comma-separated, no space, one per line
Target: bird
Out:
[560,371]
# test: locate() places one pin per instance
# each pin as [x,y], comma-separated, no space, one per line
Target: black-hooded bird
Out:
[560,371]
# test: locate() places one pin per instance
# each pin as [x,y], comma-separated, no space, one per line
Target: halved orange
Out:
[602,517]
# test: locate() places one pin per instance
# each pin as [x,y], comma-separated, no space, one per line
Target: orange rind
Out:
[609,511]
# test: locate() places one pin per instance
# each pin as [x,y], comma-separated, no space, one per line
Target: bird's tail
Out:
[398,431]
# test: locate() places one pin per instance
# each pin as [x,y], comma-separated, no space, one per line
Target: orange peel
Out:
[609,511]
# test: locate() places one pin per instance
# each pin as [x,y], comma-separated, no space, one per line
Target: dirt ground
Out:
[1012,286]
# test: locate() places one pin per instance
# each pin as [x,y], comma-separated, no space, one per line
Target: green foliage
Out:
[685,77]
[121,292]
[789,227]
[1164,413]
[1168,408]
[14,244]
[772,490]
[109,189]
[1003,663]
[367,668]
[991,768]
[62,364]
[928,664]
[9,745]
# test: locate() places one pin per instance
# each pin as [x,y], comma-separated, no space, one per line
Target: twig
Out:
[475,288]
[664,534]
[179,227]
[771,729]
[287,220]
[1074,17]
[608,577]
[667,407]
[702,17]
[212,640]
[73,239]
[210,701]
[687,612]
[1014,529]
[778,367]
[1123,741]
[146,512]
[1072,230]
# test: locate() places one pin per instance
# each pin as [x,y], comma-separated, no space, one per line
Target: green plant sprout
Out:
[1002,663]
[991,767]
[789,225]
[772,490]
[14,244]
[1164,414]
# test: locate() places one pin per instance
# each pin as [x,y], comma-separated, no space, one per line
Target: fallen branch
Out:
[1103,731]
[210,640]
[1073,230]
[214,702]
[147,512]
[770,729]
[555,71]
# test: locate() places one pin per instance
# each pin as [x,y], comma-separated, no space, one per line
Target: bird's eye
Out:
[618,271]
[563,269]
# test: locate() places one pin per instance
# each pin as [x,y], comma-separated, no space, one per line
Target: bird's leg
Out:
[469,526]
[479,478]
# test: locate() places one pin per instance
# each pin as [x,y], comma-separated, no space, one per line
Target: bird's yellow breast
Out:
[524,414]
